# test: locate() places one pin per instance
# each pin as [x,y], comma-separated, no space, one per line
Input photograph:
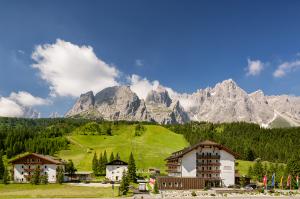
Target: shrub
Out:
[194,193]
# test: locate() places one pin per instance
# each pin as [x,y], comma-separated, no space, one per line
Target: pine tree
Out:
[105,161]
[36,177]
[155,188]
[131,168]
[118,156]
[70,168]
[111,158]
[124,185]
[44,179]
[250,172]
[59,175]
[1,165]
[100,164]
[95,164]
[5,176]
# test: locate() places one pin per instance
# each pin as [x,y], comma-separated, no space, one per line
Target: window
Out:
[29,166]
[29,173]
[164,184]
[22,172]
[202,175]
[176,184]
[170,184]
[22,167]
[45,166]
[45,173]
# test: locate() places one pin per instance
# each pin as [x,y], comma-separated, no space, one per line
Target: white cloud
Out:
[139,62]
[20,105]
[142,86]
[71,69]
[26,99]
[285,68]
[9,108]
[254,67]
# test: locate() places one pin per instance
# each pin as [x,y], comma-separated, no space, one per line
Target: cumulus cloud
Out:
[9,108]
[26,99]
[254,67]
[285,68]
[21,105]
[142,86]
[70,69]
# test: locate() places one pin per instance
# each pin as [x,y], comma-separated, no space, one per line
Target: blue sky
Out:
[185,45]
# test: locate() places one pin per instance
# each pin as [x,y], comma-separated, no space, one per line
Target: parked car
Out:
[251,186]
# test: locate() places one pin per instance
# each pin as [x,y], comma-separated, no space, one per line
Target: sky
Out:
[52,51]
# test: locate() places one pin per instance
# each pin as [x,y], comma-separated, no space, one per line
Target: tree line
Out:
[250,141]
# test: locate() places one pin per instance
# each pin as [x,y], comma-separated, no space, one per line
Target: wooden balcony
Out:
[208,171]
[200,156]
[208,164]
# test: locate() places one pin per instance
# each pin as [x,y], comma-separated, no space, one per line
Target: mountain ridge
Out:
[225,102]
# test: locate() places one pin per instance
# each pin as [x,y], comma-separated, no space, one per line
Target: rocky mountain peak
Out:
[159,95]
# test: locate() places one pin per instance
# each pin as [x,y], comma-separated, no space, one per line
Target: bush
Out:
[194,193]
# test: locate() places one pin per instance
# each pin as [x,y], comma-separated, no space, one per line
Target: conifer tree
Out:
[95,164]
[111,158]
[44,179]
[36,177]
[100,164]
[124,185]
[131,168]
[118,156]
[5,176]
[59,175]
[105,161]
[155,188]
[1,165]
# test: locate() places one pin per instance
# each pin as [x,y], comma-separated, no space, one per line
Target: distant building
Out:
[115,169]
[24,167]
[78,176]
[206,164]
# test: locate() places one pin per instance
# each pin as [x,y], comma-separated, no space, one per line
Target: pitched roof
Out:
[117,162]
[49,158]
[182,152]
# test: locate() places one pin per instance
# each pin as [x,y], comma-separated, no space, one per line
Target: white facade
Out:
[222,167]
[188,164]
[227,168]
[22,170]
[115,172]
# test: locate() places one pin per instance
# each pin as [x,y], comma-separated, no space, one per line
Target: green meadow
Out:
[149,149]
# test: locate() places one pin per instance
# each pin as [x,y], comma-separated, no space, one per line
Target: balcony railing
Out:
[208,164]
[206,156]
[172,164]
[209,171]
[32,169]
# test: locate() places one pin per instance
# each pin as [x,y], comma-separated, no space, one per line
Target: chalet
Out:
[115,169]
[206,164]
[24,167]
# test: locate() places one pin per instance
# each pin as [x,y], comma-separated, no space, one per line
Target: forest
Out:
[250,141]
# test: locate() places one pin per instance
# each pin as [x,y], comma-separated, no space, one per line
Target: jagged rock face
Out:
[161,108]
[288,106]
[159,96]
[113,103]
[120,103]
[226,102]
[84,103]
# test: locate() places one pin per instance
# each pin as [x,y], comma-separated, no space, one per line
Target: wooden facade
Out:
[183,183]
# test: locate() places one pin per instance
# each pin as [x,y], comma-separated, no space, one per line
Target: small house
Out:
[115,169]
[24,167]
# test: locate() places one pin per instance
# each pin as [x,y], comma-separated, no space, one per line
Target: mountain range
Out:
[226,102]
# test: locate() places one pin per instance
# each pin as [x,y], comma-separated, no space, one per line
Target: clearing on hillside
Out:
[149,149]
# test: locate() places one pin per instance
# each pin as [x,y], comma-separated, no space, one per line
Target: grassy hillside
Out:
[150,149]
